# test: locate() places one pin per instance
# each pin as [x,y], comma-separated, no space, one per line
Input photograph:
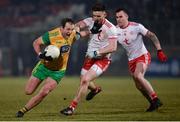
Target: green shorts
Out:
[41,72]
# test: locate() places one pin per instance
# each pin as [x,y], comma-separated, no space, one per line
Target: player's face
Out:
[122,19]
[67,30]
[98,15]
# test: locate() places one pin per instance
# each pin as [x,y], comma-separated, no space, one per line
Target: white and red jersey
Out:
[100,40]
[131,38]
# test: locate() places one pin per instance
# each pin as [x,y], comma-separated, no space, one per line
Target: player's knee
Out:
[28,91]
[84,80]
[137,76]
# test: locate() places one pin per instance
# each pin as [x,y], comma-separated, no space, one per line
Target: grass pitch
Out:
[119,100]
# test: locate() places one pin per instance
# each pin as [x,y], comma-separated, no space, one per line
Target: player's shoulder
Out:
[133,24]
[89,19]
[55,32]
[108,24]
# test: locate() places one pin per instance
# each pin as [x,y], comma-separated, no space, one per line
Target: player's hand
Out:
[161,56]
[43,56]
[95,29]
[93,54]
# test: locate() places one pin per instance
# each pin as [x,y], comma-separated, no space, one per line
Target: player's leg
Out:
[142,90]
[94,89]
[31,85]
[91,74]
[145,87]
[141,83]
[87,65]
[82,90]
[49,85]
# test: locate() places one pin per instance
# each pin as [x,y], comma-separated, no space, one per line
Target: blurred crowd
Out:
[20,13]
[22,21]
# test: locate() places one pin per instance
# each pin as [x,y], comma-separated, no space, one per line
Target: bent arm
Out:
[36,44]
[110,48]
[81,24]
[154,39]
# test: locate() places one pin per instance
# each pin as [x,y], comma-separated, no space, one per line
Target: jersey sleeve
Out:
[142,29]
[112,34]
[88,22]
[45,38]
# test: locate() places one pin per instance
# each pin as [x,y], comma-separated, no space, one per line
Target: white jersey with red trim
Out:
[100,40]
[131,39]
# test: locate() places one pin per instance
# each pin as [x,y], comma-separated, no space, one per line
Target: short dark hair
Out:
[65,20]
[98,7]
[121,9]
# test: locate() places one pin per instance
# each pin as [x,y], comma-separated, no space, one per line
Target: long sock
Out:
[146,95]
[153,96]
[73,104]
[24,110]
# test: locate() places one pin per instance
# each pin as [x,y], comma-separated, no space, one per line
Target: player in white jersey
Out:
[130,36]
[103,41]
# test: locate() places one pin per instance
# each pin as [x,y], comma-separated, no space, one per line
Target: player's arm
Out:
[154,39]
[79,33]
[160,54]
[37,45]
[82,28]
[110,48]
[81,24]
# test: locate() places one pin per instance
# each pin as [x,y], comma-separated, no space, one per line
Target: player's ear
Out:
[127,16]
[105,14]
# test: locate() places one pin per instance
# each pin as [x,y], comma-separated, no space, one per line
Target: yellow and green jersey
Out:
[55,37]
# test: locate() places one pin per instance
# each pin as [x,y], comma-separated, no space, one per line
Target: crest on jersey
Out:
[65,48]
[126,41]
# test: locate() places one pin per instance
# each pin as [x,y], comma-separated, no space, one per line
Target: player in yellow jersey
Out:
[48,70]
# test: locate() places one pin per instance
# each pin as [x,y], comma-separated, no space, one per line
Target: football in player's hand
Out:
[52,51]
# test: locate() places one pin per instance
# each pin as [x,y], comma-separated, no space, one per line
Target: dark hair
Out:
[98,7]
[121,9]
[65,20]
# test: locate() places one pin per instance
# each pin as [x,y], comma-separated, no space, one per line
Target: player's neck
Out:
[125,25]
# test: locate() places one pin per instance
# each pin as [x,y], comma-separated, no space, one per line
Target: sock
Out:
[24,110]
[153,96]
[73,104]
[146,96]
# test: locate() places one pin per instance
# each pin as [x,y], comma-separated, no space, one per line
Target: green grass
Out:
[119,100]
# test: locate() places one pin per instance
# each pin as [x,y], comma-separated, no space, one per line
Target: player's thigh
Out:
[32,84]
[49,85]
[140,69]
[89,76]
[87,65]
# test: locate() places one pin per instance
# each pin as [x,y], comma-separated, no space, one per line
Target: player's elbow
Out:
[150,34]
[37,42]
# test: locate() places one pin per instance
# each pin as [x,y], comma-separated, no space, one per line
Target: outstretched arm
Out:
[80,28]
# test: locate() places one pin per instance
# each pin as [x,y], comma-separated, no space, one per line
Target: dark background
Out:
[22,21]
